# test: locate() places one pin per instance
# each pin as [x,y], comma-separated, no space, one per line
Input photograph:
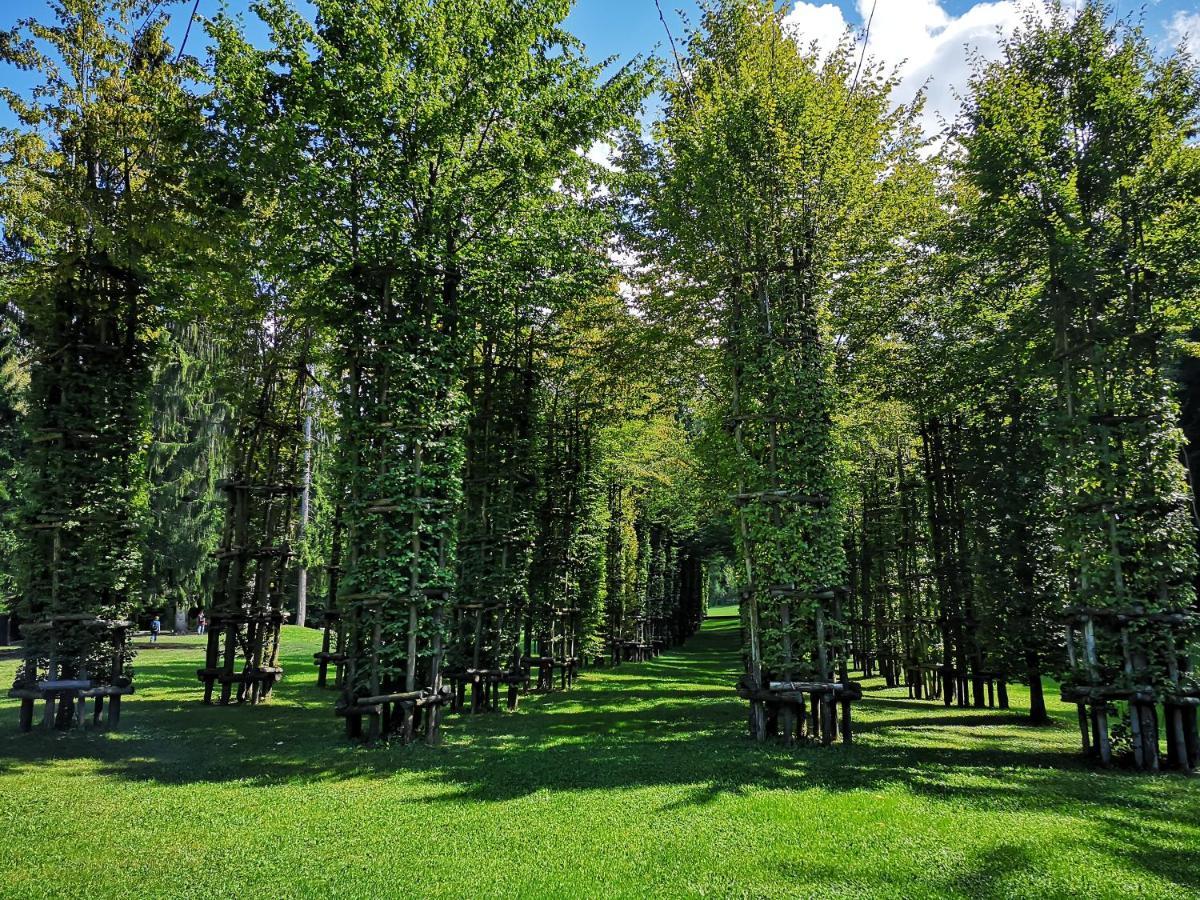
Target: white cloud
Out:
[925,44]
[1184,28]
[823,24]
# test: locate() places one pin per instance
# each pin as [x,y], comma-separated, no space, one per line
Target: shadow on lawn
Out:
[967,720]
[673,721]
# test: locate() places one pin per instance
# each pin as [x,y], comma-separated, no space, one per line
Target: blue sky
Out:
[926,40]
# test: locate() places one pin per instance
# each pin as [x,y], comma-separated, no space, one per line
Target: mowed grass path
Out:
[637,782]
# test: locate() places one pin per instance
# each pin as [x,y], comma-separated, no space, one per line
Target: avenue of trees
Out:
[345,328]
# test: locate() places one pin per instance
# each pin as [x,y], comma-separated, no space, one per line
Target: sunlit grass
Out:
[637,782]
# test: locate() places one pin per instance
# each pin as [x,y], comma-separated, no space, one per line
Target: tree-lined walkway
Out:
[640,781]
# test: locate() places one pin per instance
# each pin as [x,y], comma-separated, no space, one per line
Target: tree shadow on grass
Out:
[977,720]
[1154,846]
[988,873]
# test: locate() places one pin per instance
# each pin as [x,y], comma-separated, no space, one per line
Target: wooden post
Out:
[27,703]
[433,731]
[212,656]
[1177,749]
[1135,723]
[414,586]
[227,667]
[1081,708]
[26,714]
[51,675]
[410,675]
[353,722]
[323,666]
[786,713]
[1100,709]
[248,687]
[478,638]
[114,712]
[822,659]
[80,700]
[116,673]
[376,680]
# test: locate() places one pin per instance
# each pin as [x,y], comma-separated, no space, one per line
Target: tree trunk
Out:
[301,596]
[1037,696]
[181,615]
[302,573]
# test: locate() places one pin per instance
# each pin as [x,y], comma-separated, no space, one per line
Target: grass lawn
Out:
[638,782]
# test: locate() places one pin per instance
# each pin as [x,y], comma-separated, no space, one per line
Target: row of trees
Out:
[347,305]
[943,387]
[344,304]
[1076,223]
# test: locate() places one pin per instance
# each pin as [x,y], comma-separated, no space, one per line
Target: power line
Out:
[866,39]
[671,38]
[187,32]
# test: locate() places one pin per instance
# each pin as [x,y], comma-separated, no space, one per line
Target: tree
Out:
[1077,143]
[770,174]
[426,136]
[12,383]
[186,458]
[94,214]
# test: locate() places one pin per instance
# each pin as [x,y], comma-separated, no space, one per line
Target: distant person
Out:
[155,628]
[201,623]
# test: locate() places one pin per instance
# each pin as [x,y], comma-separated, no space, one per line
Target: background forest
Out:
[371,268]
[405,361]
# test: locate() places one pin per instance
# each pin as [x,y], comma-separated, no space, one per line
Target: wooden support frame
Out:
[1150,705]
[64,684]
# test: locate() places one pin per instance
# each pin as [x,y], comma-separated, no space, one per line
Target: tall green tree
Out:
[12,382]
[426,134]
[1077,141]
[188,432]
[771,172]
[94,214]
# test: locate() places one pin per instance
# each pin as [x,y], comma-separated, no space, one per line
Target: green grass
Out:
[730,610]
[637,782]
